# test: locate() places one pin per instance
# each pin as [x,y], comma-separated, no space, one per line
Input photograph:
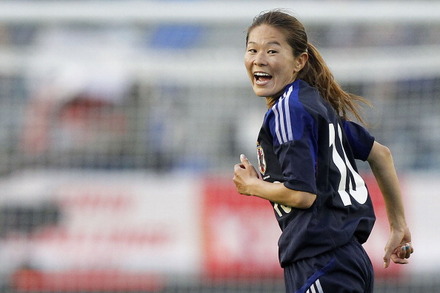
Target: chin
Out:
[260,95]
[262,92]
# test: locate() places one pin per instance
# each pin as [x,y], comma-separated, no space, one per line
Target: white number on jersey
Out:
[351,184]
[279,208]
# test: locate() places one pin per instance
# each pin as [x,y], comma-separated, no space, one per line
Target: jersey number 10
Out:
[351,184]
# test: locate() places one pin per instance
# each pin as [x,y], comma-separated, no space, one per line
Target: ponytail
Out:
[318,75]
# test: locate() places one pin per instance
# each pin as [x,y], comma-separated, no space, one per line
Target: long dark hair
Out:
[316,71]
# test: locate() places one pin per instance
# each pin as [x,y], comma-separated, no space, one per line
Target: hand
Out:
[244,173]
[398,248]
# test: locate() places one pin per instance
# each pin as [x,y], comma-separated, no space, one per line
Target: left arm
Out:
[399,246]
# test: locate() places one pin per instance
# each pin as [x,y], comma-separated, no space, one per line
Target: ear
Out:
[301,61]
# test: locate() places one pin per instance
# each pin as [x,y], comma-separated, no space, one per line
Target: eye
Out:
[272,51]
[252,50]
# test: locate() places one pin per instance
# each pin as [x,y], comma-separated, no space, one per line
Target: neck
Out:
[270,101]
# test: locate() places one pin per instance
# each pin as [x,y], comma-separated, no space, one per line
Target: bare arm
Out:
[399,247]
[247,181]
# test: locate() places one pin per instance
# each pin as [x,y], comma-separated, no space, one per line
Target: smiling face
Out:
[270,62]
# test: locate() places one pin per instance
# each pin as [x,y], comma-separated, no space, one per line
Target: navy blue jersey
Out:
[305,145]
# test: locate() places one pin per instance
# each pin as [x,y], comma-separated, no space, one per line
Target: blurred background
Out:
[120,122]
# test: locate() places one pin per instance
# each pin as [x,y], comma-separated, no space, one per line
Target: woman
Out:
[306,149]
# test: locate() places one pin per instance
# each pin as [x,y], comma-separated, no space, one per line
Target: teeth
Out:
[261,74]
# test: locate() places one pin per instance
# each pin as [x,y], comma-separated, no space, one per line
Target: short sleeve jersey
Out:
[305,145]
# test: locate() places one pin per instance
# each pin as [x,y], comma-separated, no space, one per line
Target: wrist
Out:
[398,225]
[254,186]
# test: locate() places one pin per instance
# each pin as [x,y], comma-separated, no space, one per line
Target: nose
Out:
[260,59]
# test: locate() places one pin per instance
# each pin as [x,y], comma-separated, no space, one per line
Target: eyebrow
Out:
[269,43]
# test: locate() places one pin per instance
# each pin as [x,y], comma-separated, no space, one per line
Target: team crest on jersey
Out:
[261,159]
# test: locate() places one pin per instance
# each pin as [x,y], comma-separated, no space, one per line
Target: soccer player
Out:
[307,147]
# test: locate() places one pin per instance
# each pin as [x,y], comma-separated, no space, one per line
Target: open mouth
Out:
[262,77]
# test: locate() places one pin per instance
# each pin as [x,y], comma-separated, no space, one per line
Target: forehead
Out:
[264,34]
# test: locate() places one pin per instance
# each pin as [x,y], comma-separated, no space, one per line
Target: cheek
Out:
[284,75]
[247,63]
[248,66]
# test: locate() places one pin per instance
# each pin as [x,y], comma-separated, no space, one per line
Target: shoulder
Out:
[300,96]
[296,96]
[298,99]
[291,114]
[306,89]
[289,104]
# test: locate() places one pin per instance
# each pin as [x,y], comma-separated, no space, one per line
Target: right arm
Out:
[247,182]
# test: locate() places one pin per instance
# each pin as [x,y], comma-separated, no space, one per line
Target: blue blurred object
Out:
[176,36]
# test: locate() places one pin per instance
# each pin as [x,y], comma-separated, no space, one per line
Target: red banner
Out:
[241,233]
